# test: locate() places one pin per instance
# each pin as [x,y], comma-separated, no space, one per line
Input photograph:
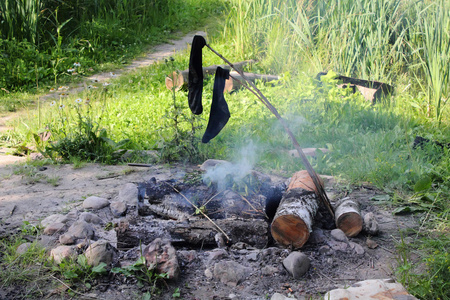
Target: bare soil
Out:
[28,196]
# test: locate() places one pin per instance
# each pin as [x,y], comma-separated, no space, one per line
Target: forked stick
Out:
[315,178]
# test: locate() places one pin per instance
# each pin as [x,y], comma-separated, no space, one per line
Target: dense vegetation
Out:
[404,43]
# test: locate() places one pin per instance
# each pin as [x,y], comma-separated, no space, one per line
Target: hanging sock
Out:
[195,79]
[219,114]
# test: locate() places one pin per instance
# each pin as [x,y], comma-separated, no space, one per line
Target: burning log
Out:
[179,79]
[195,233]
[294,218]
[348,216]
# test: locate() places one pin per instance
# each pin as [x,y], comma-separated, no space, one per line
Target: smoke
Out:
[222,173]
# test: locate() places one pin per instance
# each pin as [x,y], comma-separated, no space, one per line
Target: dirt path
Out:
[158,53]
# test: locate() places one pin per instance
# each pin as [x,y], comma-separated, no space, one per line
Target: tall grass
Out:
[374,40]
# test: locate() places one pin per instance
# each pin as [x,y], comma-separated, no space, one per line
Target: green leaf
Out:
[422,184]
[70,274]
[385,197]
[100,268]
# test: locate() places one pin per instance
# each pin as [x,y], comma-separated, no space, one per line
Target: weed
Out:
[53,180]
[144,274]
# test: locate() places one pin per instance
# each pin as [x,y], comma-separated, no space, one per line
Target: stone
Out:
[326,250]
[90,218]
[357,248]
[100,251]
[187,256]
[371,244]
[253,256]
[370,224]
[81,229]
[128,194]
[60,253]
[278,296]
[53,228]
[47,242]
[208,273]
[118,209]
[269,270]
[231,273]
[216,254]
[95,202]
[317,236]
[338,246]
[23,248]
[162,255]
[56,218]
[67,239]
[371,289]
[297,264]
[339,235]
[211,164]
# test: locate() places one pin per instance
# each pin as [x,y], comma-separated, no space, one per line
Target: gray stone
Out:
[187,256]
[67,239]
[63,252]
[297,264]
[95,202]
[208,273]
[339,235]
[269,270]
[338,246]
[56,218]
[371,289]
[231,273]
[278,296]
[162,254]
[47,242]
[128,194]
[326,250]
[371,244]
[100,251]
[370,224]
[268,253]
[317,236]
[81,229]
[53,228]
[253,256]
[216,254]
[90,218]
[357,248]
[118,209]
[23,248]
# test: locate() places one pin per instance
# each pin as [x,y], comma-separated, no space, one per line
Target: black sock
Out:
[219,114]
[195,80]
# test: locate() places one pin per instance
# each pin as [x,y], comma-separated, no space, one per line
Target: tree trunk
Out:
[196,234]
[348,216]
[293,221]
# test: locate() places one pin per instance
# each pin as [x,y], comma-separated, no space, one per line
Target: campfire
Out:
[226,204]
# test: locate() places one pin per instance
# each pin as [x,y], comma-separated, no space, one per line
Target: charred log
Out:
[199,233]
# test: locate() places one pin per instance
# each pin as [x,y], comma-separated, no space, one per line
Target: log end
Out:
[350,223]
[290,230]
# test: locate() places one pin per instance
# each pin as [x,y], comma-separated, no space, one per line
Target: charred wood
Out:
[195,234]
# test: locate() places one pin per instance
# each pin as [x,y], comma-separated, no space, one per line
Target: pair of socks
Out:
[219,114]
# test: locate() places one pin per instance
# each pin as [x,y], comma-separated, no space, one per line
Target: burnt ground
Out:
[28,196]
